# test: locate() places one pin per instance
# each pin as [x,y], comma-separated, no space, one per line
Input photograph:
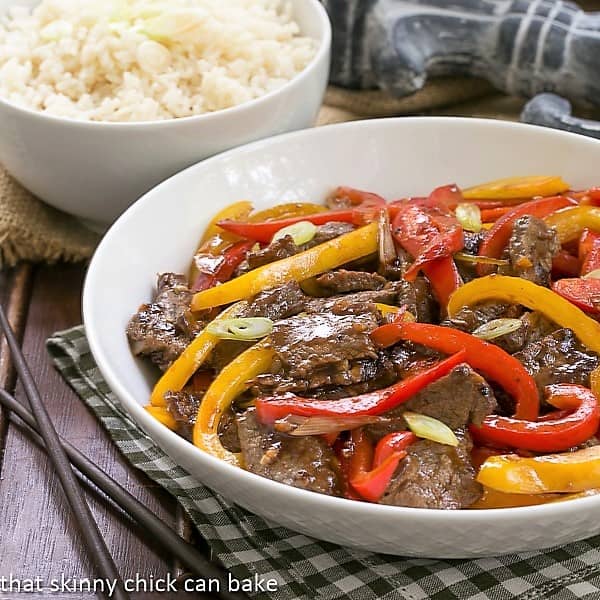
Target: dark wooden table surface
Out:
[38,537]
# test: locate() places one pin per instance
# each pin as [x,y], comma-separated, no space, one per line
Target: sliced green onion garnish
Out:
[244,329]
[595,274]
[469,216]
[301,232]
[430,429]
[496,328]
[483,260]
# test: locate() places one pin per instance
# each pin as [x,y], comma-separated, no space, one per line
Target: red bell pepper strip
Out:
[361,453]
[269,410]
[555,435]
[584,293]
[497,237]
[428,233]
[264,232]
[218,269]
[444,279]
[489,215]
[491,360]
[489,204]
[589,197]
[347,197]
[392,443]
[366,478]
[448,196]
[372,484]
[589,251]
[564,264]
[415,230]
[359,207]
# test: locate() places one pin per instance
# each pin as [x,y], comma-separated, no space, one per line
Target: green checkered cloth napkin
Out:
[309,569]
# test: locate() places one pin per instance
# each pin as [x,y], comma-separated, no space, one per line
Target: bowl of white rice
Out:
[100,100]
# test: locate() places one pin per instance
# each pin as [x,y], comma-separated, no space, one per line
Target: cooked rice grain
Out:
[134,60]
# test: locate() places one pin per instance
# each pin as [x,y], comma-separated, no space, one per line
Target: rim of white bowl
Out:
[324,48]
[150,424]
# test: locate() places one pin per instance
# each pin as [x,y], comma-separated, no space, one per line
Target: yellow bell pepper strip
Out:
[584,494]
[495,499]
[562,431]
[314,261]
[238,210]
[567,472]
[387,309]
[518,187]
[215,240]
[595,381]
[535,297]
[570,222]
[189,361]
[285,211]
[229,383]
[163,415]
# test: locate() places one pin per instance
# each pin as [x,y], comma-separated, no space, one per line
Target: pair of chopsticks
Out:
[63,455]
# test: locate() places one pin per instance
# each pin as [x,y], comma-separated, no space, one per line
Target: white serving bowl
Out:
[95,170]
[393,157]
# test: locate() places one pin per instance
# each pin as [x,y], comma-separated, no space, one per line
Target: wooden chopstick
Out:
[98,552]
[188,554]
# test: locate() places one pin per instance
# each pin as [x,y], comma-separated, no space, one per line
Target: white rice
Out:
[138,60]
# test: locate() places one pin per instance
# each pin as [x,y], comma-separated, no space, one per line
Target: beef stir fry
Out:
[432,352]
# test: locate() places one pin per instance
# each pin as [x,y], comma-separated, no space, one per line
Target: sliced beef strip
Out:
[162,329]
[282,248]
[287,300]
[278,303]
[342,282]
[353,302]
[459,398]
[531,248]
[321,350]
[534,325]
[286,247]
[228,431]
[468,270]
[408,358]
[435,476]
[226,351]
[418,299]
[184,408]
[304,462]
[473,241]
[378,374]
[558,358]
[329,231]
[470,318]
